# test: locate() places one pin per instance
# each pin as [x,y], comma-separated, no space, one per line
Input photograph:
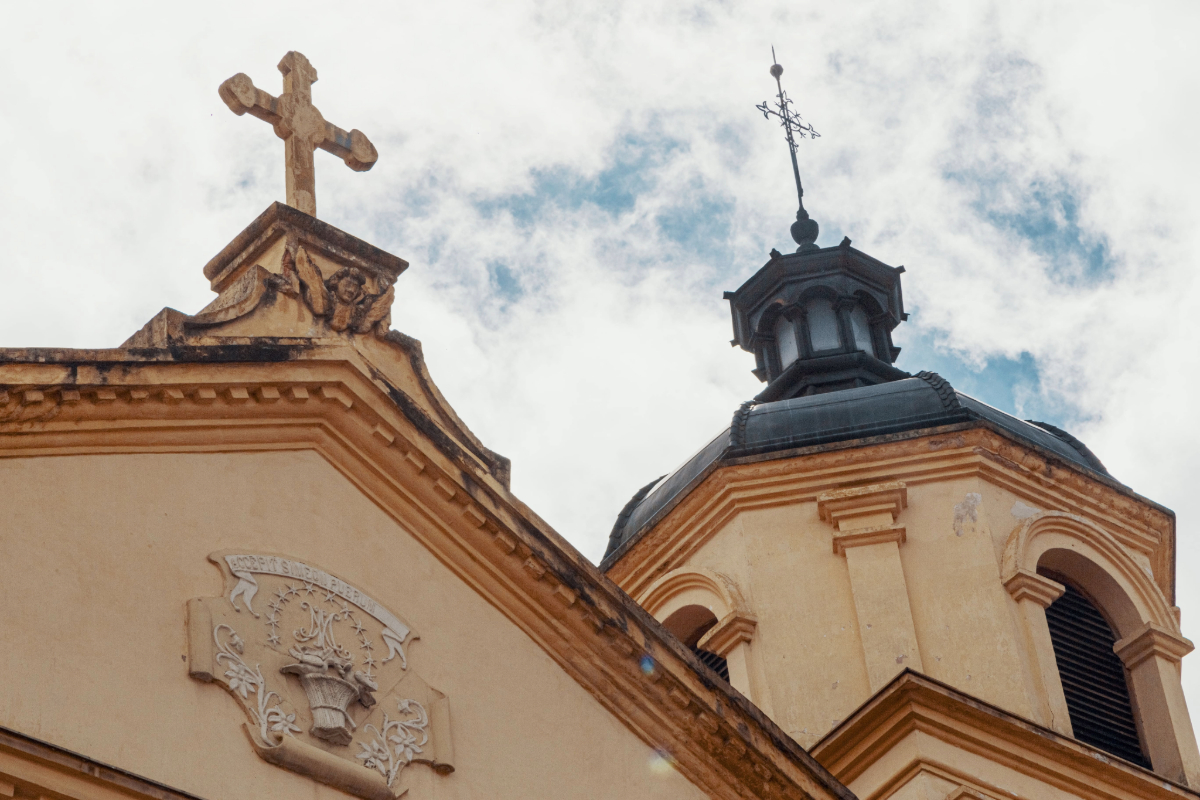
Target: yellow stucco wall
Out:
[808,642]
[101,553]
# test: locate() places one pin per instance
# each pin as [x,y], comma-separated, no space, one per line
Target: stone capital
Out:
[728,633]
[1027,585]
[861,537]
[1151,640]
[863,506]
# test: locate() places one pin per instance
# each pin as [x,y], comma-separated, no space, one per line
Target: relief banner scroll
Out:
[319,667]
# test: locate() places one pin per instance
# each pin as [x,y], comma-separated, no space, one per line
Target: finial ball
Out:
[776,70]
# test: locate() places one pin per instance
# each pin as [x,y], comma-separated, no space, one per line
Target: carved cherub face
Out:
[348,286]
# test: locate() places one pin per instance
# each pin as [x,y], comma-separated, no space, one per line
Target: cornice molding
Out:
[976,452]
[914,703]
[862,537]
[450,503]
[33,768]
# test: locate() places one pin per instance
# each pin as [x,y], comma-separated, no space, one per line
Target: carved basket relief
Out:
[320,669]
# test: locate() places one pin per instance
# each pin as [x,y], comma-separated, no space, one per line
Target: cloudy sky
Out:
[575,183]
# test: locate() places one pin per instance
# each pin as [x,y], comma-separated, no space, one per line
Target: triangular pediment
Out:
[287,433]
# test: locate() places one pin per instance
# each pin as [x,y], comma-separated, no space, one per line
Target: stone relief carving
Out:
[344,707]
[342,300]
[273,723]
[396,744]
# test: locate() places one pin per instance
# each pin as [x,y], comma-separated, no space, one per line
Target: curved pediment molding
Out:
[693,585]
[1079,548]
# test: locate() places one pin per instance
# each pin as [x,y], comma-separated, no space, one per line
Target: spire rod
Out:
[804,229]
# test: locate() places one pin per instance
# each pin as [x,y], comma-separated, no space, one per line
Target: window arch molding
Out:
[731,638]
[818,292]
[693,586]
[766,320]
[1094,559]
[1150,643]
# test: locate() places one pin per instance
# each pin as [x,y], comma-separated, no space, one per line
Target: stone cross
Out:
[301,126]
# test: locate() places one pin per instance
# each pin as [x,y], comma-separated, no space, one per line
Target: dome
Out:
[911,404]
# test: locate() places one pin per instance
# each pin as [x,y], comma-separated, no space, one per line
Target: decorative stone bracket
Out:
[728,633]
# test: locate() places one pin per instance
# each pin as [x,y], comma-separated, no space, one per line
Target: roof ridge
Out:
[614,538]
[737,427]
[1079,446]
[945,391]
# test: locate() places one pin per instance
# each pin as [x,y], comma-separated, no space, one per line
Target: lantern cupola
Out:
[819,320]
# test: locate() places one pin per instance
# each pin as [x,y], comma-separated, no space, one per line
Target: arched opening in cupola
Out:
[785,340]
[1094,680]
[689,624]
[822,320]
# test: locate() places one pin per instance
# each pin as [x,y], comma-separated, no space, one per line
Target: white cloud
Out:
[991,147]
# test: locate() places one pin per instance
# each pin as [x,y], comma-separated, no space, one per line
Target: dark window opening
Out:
[714,662]
[690,623]
[1093,677]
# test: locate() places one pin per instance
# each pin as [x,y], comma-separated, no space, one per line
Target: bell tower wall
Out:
[927,555]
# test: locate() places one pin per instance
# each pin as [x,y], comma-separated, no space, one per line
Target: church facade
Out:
[254,552]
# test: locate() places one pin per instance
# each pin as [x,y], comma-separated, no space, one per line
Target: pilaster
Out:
[732,638]
[1152,656]
[1033,594]
[867,534]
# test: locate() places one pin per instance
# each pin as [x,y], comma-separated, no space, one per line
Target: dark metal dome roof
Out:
[910,404]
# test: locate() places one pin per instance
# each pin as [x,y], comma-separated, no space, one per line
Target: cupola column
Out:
[867,534]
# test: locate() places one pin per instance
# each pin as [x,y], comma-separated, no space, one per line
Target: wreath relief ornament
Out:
[319,668]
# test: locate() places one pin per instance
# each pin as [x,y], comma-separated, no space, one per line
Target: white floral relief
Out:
[398,743]
[273,723]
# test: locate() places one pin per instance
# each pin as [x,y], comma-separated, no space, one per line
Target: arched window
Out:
[689,624]
[822,325]
[1093,677]
[785,338]
[860,325]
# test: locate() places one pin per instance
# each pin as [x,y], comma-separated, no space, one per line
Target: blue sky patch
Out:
[1013,385]
[504,282]
[701,224]
[615,189]
[1045,215]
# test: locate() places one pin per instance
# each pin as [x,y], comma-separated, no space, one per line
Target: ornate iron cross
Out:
[301,126]
[804,229]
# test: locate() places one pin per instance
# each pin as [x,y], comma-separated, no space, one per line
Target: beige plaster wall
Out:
[808,639]
[962,612]
[102,552]
[807,635]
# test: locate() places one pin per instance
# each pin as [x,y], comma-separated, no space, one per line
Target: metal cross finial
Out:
[804,229]
[301,126]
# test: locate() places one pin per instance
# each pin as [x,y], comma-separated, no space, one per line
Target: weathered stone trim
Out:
[93,777]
